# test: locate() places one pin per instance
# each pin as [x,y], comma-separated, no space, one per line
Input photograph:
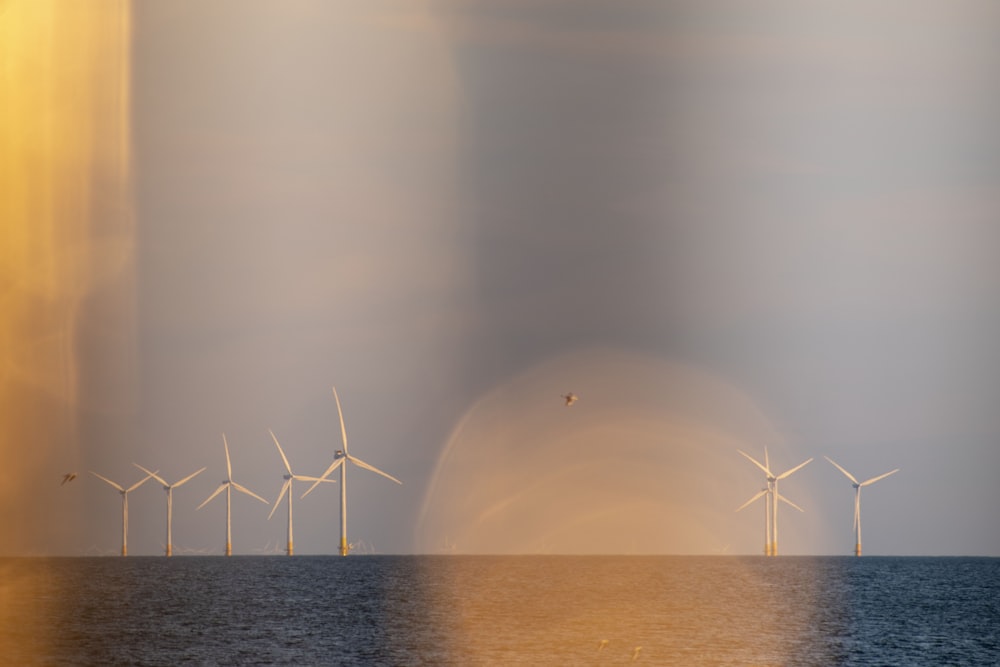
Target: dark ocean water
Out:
[481,610]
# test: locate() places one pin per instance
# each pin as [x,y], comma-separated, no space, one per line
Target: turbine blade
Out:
[789,472]
[247,491]
[762,493]
[152,474]
[367,466]
[229,465]
[340,413]
[114,484]
[280,451]
[755,462]
[217,492]
[789,502]
[307,478]
[189,477]
[836,465]
[140,482]
[767,464]
[875,479]
[333,466]
[284,489]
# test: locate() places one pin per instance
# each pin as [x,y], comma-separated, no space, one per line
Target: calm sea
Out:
[481,610]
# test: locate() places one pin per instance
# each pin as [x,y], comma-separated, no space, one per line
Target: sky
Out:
[723,225]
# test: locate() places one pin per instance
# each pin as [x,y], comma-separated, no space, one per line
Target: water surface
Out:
[482,610]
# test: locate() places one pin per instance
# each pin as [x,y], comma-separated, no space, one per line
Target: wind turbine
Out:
[122,490]
[228,484]
[287,488]
[169,488]
[771,492]
[857,500]
[339,458]
[766,494]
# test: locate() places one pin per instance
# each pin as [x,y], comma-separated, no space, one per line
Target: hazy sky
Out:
[721,224]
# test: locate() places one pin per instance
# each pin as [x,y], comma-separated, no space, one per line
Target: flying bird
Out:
[68,477]
[570,398]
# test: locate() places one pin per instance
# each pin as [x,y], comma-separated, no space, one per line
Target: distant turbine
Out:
[857,500]
[766,493]
[122,490]
[169,488]
[228,484]
[338,461]
[771,492]
[287,488]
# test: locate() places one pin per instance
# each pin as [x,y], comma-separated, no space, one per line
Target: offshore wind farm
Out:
[769,493]
[590,276]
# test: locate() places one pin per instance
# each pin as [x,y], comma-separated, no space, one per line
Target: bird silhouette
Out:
[571,398]
[68,477]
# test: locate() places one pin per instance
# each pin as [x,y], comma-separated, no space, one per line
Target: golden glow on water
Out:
[644,462]
[677,610]
[66,275]
[28,597]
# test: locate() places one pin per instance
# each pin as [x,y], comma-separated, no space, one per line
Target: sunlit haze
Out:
[722,226]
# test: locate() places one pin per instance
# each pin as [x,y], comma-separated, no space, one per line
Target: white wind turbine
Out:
[122,490]
[339,458]
[169,488]
[766,493]
[857,500]
[228,484]
[287,488]
[772,495]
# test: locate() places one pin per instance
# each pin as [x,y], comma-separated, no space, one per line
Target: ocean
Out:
[500,610]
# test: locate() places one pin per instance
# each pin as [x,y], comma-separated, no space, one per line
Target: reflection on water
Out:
[29,602]
[502,610]
[600,609]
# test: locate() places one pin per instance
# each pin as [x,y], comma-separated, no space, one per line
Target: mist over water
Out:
[644,462]
[67,274]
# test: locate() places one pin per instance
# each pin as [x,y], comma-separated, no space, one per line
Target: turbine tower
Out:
[228,484]
[857,500]
[773,496]
[169,488]
[338,462]
[766,493]
[287,488]
[122,490]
